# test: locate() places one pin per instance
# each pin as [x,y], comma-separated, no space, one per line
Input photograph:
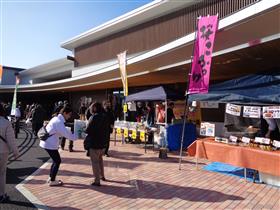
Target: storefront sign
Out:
[271,112]
[209,105]
[201,64]
[233,109]
[252,111]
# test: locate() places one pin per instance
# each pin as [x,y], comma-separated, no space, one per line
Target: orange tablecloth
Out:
[246,157]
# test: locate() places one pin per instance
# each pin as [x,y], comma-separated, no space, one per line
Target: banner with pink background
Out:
[201,65]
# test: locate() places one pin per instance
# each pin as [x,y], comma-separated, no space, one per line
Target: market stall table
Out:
[246,157]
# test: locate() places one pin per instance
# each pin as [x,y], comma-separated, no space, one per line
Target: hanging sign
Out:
[142,135]
[134,134]
[233,109]
[125,133]
[118,130]
[271,112]
[125,108]
[201,64]
[252,111]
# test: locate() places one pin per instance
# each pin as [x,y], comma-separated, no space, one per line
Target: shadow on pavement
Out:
[17,175]
[107,163]
[131,156]
[134,189]
[29,205]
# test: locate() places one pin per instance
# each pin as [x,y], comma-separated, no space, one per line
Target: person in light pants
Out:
[7,144]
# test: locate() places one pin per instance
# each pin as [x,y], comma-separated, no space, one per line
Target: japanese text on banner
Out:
[201,65]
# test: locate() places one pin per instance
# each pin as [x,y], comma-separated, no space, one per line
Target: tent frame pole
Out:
[186,109]
[186,114]
[165,139]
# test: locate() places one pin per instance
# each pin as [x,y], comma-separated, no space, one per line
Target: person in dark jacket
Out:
[150,114]
[57,108]
[38,116]
[97,129]
[170,113]
[111,120]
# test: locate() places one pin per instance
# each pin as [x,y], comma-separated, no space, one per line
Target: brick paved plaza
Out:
[143,181]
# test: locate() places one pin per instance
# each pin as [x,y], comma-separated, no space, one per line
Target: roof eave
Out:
[140,15]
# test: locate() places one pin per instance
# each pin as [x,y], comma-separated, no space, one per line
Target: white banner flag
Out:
[122,65]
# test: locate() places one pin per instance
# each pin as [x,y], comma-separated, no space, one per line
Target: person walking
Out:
[70,124]
[111,120]
[38,116]
[96,140]
[56,129]
[7,144]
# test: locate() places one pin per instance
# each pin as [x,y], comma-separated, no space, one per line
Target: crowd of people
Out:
[100,122]
[151,113]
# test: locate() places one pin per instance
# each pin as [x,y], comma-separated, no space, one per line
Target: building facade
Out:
[158,38]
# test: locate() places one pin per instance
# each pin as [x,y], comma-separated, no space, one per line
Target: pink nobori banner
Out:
[201,65]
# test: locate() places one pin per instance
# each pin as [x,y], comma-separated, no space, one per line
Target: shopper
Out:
[38,116]
[97,129]
[82,111]
[170,113]
[7,144]
[56,129]
[70,124]
[111,120]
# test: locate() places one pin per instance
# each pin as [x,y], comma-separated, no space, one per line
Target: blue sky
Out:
[31,31]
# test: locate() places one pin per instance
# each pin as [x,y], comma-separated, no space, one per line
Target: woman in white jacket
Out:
[56,129]
[7,144]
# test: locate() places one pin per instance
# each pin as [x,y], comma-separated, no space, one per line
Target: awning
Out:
[259,88]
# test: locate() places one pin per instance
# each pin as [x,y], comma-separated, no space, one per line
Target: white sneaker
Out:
[55,183]
[48,180]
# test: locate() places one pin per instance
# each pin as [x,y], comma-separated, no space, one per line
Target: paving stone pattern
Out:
[143,181]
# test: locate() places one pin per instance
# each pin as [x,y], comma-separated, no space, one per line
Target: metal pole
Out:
[186,101]
[165,138]
[115,143]
[183,132]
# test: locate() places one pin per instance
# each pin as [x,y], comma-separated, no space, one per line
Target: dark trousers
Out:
[107,146]
[36,127]
[62,143]
[54,154]
[17,125]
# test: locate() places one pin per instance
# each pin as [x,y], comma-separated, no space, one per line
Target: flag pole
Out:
[186,112]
